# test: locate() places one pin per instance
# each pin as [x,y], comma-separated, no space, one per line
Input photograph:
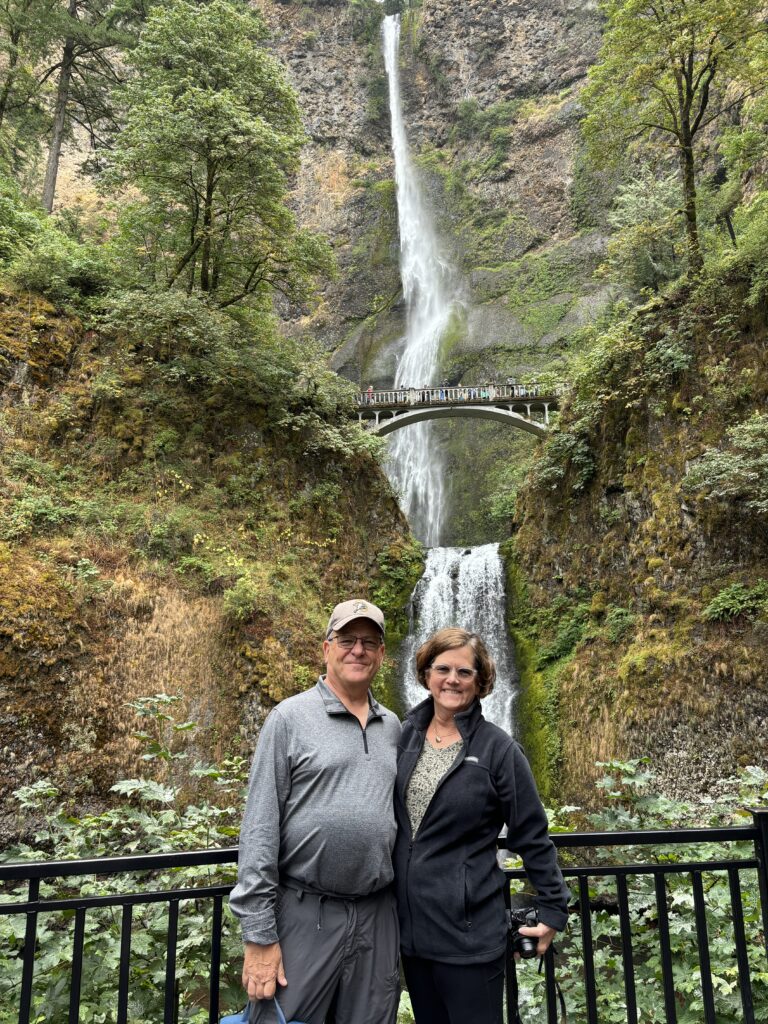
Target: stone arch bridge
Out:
[524,406]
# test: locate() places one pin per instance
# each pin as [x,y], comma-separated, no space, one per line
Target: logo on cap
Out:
[359,606]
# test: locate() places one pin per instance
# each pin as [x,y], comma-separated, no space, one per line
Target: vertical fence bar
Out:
[30,941]
[737,915]
[760,818]
[666,950]
[76,976]
[626,949]
[125,964]
[549,978]
[702,938]
[213,997]
[170,962]
[590,990]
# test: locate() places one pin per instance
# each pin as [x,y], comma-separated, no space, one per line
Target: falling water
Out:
[415,468]
[465,587]
[460,587]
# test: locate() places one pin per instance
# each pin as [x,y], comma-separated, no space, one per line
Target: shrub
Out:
[18,225]
[736,474]
[737,600]
[60,268]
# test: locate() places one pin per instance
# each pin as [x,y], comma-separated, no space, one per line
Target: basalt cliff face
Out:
[491,107]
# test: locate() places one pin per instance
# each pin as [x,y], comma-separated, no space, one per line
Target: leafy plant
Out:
[736,600]
[736,473]
[633,803]
[150,817]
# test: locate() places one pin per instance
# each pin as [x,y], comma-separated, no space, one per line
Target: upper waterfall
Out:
[414,466]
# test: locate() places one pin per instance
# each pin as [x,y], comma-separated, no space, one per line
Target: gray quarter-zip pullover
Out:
[319,806]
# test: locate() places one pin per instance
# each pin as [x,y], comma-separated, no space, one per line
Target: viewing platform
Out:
[526,406]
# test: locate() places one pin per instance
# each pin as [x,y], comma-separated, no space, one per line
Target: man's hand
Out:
[263,970]
[542,932]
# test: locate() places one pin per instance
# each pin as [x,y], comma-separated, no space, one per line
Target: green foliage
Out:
[211,136]
[657,74]
[150,816]
[28,31]
[644,251]
[570,632]
[736,600]
[18,223]
[618,623]
[667,360]
[36,512]
[736,473]
[58,267]
[633,803]
[246,598]
[400,566]
[566,458]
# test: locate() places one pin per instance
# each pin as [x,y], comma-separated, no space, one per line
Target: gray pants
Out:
[340,959]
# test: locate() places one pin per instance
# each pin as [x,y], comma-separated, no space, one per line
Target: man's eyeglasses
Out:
[443,671]
[346,642]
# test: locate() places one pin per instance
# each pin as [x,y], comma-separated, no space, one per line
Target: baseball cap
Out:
[354,609]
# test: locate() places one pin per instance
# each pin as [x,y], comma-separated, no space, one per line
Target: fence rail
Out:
[582,947]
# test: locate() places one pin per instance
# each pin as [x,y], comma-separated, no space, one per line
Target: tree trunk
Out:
[10,74]
[205,256]
[695,259]
[59,116]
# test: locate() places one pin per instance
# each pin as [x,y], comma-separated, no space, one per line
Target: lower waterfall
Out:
[464,587]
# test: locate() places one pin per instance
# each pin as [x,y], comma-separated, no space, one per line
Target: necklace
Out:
[439,739]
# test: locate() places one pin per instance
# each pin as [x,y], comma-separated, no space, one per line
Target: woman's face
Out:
[452,680]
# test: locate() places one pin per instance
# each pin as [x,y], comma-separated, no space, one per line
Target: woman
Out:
[459,779]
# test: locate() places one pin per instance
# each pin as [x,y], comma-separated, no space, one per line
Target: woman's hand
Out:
[539,931]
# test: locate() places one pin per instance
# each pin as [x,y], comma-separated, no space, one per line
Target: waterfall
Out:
[414,467]
[465,587]
[460,587]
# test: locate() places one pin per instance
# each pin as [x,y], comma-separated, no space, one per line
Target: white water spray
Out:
[415,468]
[464,587]
[460,587]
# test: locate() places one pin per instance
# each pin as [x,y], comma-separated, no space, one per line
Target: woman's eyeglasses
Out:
[346,643]
[443,671]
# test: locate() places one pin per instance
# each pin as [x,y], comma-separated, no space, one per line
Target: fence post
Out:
[760,818]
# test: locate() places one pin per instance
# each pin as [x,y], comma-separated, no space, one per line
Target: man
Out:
[313,895]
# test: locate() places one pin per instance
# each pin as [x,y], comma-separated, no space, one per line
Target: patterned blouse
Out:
[430,768]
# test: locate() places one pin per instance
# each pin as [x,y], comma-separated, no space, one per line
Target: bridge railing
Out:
[149,977]
[455,394]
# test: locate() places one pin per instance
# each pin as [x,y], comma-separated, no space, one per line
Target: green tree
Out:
[212,134]
[27,32]
[92,35]
[643,251]
[668,69]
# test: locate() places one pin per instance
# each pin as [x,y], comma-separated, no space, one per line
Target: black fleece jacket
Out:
[450,889]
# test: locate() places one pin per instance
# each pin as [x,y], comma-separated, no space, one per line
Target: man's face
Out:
[357,666]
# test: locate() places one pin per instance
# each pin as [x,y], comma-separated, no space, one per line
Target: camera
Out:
[522,913]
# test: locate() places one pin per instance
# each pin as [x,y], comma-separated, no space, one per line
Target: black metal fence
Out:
[589,962]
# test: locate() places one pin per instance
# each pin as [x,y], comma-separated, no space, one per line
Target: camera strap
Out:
[513,992]
[513,998]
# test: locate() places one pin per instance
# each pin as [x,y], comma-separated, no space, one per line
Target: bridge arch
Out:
[388,422]
[525,406]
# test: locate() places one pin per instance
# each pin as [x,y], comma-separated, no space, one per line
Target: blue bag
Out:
[242,1018]
[236,1018]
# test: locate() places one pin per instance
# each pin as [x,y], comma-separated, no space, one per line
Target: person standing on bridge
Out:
[314,893]
[459,779]
[369,394]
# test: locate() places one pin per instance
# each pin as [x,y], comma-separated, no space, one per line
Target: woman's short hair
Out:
[448,640]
